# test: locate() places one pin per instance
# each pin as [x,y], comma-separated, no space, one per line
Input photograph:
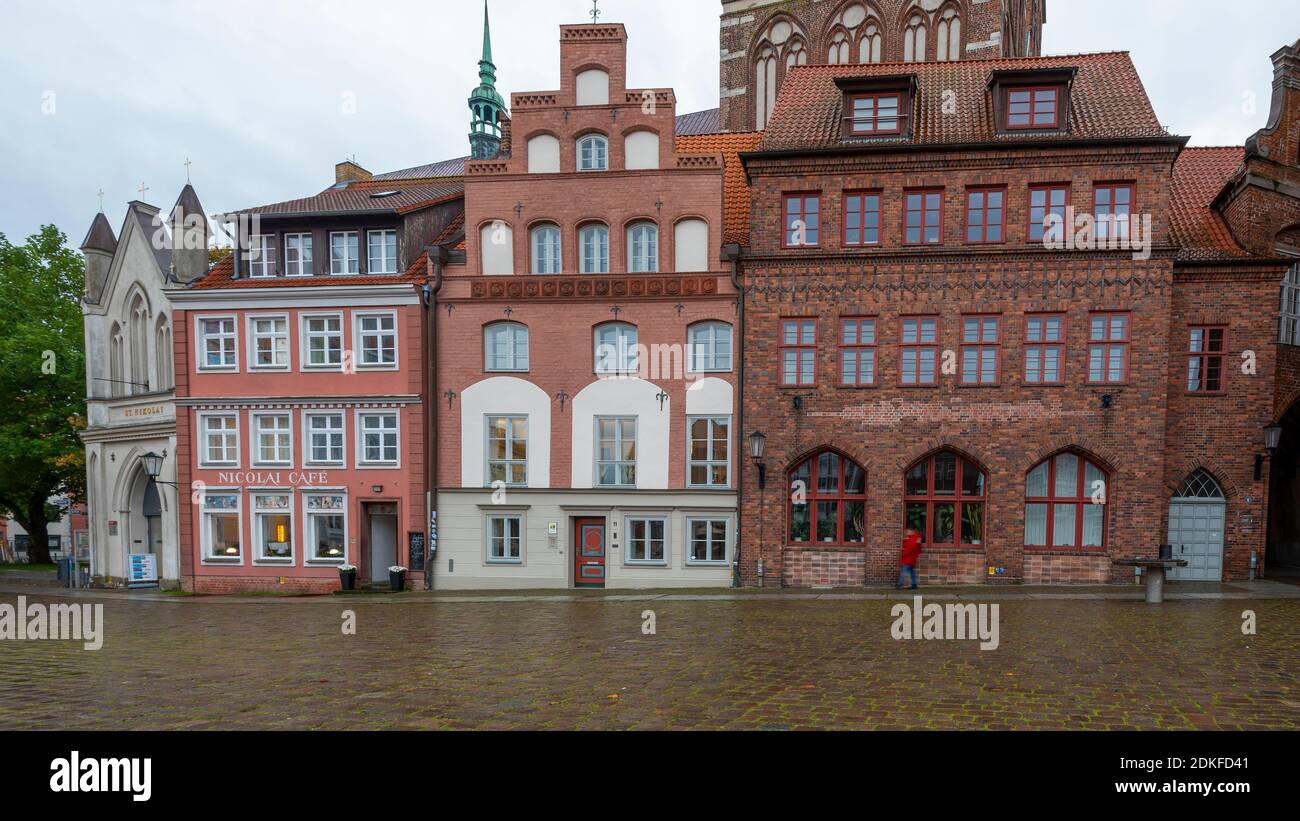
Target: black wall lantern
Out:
[757,442]
[1272,440]
[153,467]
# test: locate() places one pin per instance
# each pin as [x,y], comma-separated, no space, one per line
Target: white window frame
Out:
[341,270]
[259,546]
[305,336]
[710,462]
[205,535]
[255,454]
[648,518]
[602,154]
[303,266]
[254,336]
[618,439]
[361,461]
[534,255]
[309,525]
[1288,332]
[650,263]
[689,545]
[201,349]
[489,344]
[712,326]
[585,264]
[308,451]
[516,515]
[359,339]
[487,448]
[261,256]
[390,265]
[623,365]
[201,422]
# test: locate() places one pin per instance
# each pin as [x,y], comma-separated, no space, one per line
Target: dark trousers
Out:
[907,569]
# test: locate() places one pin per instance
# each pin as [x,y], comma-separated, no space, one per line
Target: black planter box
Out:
[397,581]
[348,578]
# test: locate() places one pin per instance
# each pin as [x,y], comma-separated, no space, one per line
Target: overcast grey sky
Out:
[115,93]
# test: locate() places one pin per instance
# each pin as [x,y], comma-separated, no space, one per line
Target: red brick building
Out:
[927,348]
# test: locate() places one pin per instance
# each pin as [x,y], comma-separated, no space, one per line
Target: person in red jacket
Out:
[911,553]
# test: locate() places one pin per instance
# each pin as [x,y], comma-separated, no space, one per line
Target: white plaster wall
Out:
[641,150]
[497,247]
[691,245]
[543,155]
[710,396]
[504,396]
[593,87]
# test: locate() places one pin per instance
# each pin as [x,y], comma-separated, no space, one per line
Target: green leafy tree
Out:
[42,381]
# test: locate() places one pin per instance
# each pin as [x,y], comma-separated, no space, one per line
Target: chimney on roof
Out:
[349,171]
[189,226]
[99,246]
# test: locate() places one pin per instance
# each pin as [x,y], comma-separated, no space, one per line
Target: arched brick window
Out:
[948,35]
[828,501]
[1065,503]
[914,39]
[944,500]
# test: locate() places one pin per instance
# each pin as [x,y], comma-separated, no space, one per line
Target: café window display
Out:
[274,527]
[327,527]
[221,531]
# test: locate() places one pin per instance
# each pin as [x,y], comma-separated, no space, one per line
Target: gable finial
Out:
[595,10]
[100,193]
[187,170]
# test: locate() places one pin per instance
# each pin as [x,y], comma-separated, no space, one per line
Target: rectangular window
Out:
[378,438]
[505,540]
[710,347]
[297,255]
[1108,341]
[923,217]
[857,352]
[862,218]
[507,446]
[981,350]
[261,255]
[326,527]
[220,439]
[1289,314]
[803,219]
[274,439]
[1033,107]
[273,526]
[269,338]
[1046,201]
[798,351]
[325,438]
[383,252]
[647,540]
[217,343]
[873,114]
[221,530]
[1044,349]
[919,351]
[985,214]
[708,541]
[324,341]
[1205,358]
[345,252]
[709,459]
[1111,207]
[377,334]
[505,347]
[616,451]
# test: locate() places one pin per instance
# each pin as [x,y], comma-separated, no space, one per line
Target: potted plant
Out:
[397,578]
[348,576]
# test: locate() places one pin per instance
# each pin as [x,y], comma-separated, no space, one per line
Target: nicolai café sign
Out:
[274,478]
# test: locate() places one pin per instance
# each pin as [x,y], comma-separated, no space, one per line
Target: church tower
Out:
[486,103]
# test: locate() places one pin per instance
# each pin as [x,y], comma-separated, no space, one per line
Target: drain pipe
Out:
[437,259]
[731,254]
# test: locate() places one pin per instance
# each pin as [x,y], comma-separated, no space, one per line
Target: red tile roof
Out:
[1107,101]
[1199,176]
[735,188]
[221,275]
[359,198]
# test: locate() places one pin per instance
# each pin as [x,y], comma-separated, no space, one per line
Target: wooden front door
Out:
[589,553]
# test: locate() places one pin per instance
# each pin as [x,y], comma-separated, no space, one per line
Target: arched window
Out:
[592,87]
[138,324]
[1199,485]
[691,245]
[643,248]
[796,54]
[765,86]
[116,362]
[710,347]
[948,36]
[871,44]
[1289,330]
[838,51]
[828,501]
[944,500]
[163,350]
[593,246]
[914,39]
[1065,503]
[546,253]
[497,248]
[641,151]
[544,154]
[593,153]
[616,351]
[505,347]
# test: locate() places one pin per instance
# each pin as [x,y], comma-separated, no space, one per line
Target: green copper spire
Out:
[485,102]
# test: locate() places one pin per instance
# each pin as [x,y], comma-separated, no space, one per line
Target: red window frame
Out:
[875,119]
[985,192]
[1108,342]
[1112,190]
[1207,359]
[859,348]
[861,199]
[959,499]
[1033,111]
[801,213]
[924,194]
[1046,208]
[917,347]
[813,495]
[1082,499]
[799,346]
[980,345]
[1036,349]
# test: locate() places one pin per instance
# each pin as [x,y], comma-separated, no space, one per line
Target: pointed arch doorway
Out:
[1196,520]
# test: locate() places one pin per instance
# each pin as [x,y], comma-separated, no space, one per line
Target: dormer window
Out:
[593,153]
[876,106]
[1033,107]
[872,114]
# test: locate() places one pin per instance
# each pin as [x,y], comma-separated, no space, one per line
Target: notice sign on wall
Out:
[141,570]
[416,542]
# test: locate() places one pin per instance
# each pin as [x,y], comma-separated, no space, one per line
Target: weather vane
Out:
[595,10]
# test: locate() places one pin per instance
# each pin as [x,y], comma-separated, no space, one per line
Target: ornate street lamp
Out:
[757,442]
[1272,438]
[153,467]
